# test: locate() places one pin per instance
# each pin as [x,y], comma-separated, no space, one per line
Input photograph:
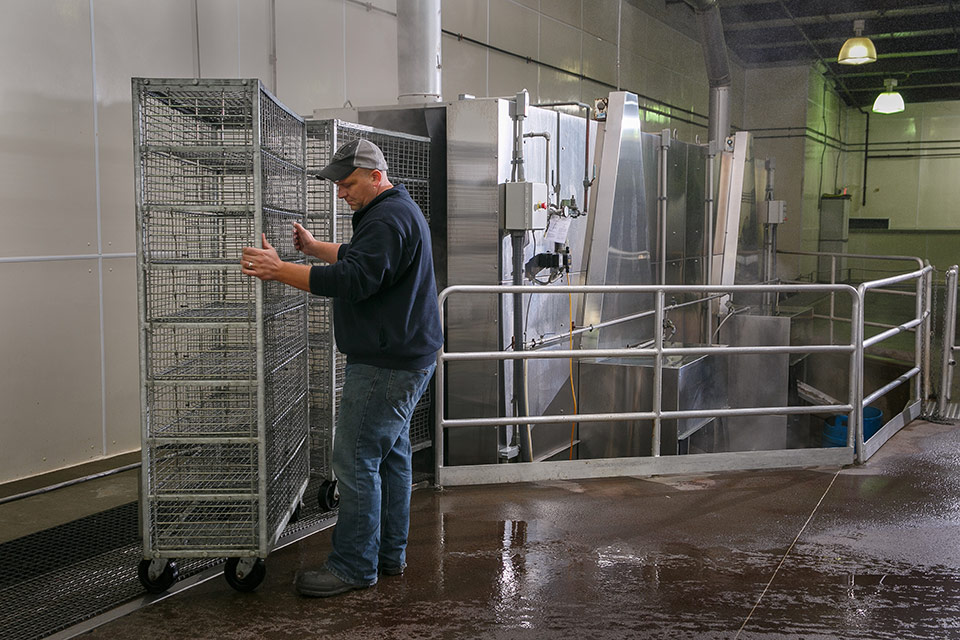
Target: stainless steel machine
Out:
[543,195]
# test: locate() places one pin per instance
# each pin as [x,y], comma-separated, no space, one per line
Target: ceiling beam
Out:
[751,43]
[731,24]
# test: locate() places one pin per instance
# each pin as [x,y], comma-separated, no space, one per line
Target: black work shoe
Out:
[391,571]
[321,583]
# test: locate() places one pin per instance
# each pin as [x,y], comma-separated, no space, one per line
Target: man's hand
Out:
[266,264]
[303,240]
[261,263]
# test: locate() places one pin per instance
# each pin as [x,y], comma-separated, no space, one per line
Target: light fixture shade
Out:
[888,102]
[857,50]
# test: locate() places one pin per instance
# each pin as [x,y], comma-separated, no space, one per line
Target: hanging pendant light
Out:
[857,50]
[889,101]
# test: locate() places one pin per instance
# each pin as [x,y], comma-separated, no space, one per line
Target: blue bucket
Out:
[835,429]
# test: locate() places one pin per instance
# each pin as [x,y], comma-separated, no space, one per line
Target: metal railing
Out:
[918,324]
[490,473]
[921,263]
[833,280]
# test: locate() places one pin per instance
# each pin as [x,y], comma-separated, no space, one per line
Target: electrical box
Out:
[834,217]
[772,211]
[523,206]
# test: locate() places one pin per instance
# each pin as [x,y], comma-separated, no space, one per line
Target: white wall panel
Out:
[464,68]
[778,97]
[600,18]
[371,52]
[565,10]
[253,29]
[47,187]
[900,127]
[121,355]
[662,82]
[590,91]
[310,53]
[892,192]
[468,17]
[938,205]
[508,75]
[560,44]
[162,45]
[556,86]
[514,27]
[695,96]
[633,29]
[940,126]
[633,71]
[50,351]
[600,59]
[218,27]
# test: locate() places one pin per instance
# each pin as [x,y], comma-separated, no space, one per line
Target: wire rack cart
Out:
[408,162]
[223,356]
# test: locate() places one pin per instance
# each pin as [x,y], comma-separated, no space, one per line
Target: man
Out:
[386,321]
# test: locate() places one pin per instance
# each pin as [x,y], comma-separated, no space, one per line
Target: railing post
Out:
[856,358]
[952,333]
[657,372]
[918,336]
[833,280]
[438,399]
[949,335]
[927,333]
[856,419]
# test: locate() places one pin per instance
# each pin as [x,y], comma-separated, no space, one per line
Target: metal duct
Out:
[418,51]
[718,66]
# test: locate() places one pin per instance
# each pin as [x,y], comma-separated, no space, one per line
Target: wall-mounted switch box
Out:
[523,206]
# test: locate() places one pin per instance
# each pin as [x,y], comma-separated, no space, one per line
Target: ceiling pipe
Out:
[418,51]
[718,69]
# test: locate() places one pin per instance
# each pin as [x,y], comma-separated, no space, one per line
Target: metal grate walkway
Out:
[951,413]
[63,576]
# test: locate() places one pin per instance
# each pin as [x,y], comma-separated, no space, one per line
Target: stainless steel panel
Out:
[696,191]
[620,251]
[479,144]
[476,138]
[663,465]
[676,205]
[738,260]
[548,381]
[626,384]
[750,243]
[758,380]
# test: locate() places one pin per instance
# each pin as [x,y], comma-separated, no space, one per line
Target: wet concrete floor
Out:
[868,552]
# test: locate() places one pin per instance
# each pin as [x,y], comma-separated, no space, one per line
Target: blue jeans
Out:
[373,467]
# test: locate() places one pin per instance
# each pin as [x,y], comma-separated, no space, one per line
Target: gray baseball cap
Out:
[359,154]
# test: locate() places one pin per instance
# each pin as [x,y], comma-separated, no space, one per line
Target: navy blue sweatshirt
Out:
[385,310]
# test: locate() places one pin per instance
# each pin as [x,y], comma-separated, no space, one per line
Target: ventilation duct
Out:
[718,67]
[418,51]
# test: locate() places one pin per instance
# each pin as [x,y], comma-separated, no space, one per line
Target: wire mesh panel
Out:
[330,219]
[223,356]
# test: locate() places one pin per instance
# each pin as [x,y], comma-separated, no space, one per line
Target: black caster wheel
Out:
[245,574]
[328,497]
[157,576]
[295,516]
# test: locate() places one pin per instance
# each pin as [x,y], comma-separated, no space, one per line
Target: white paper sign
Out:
[557,228]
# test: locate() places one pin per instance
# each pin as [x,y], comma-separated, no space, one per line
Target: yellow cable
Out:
[573,425]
